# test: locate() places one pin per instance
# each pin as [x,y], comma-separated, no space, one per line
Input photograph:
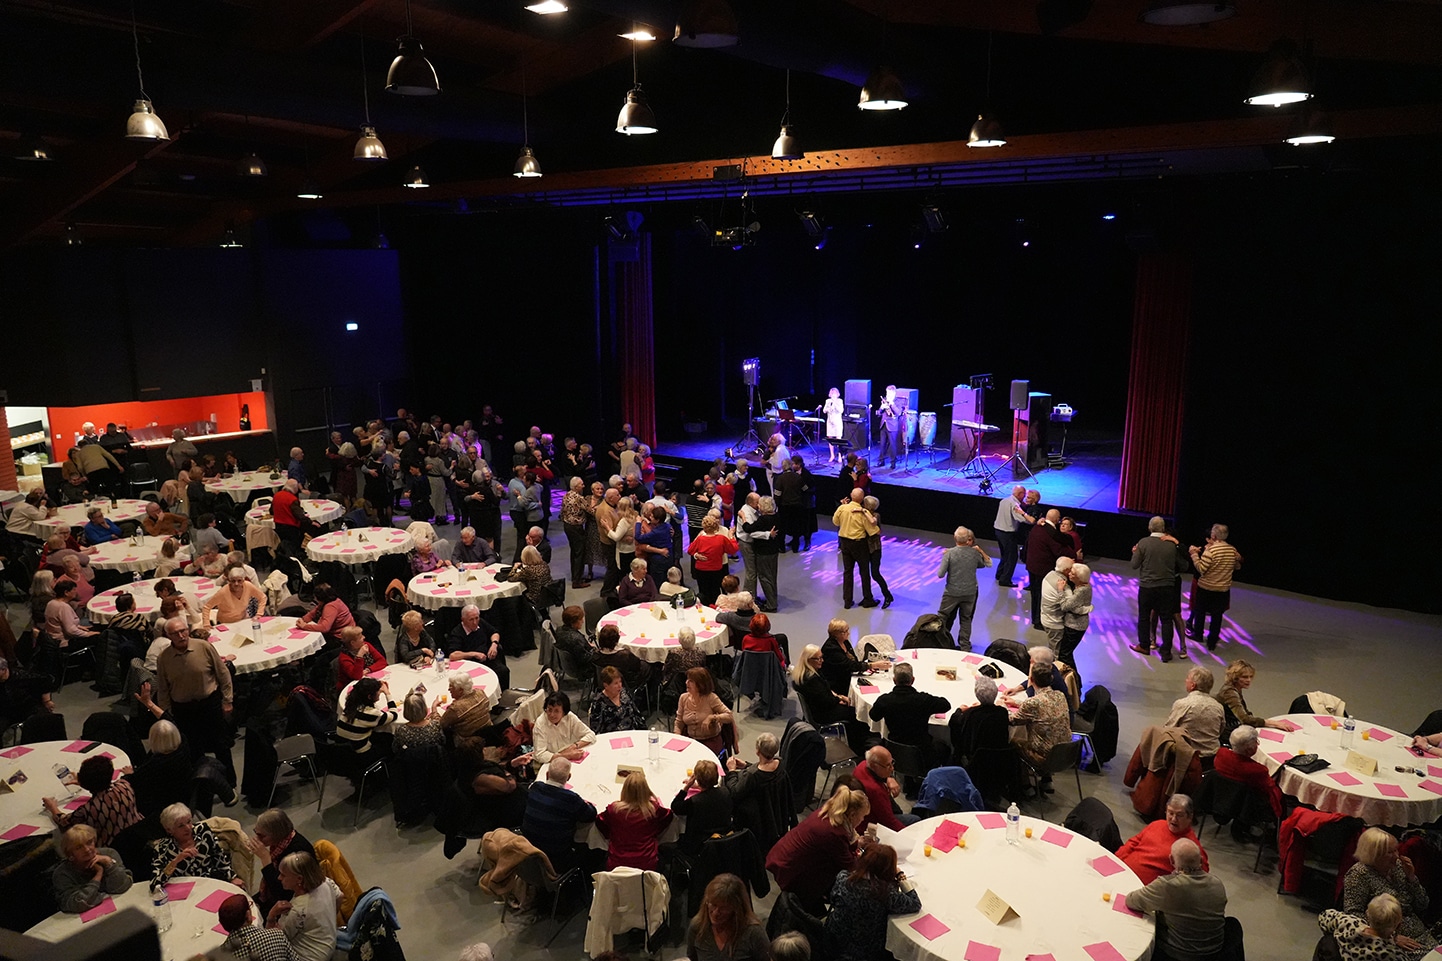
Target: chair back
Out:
[595,608]
[535,870]
[110,728]
[908,758]
[882,643]
[531,707]
[1220,797]
[443,548]
[1091,818]
[337,868]
[1009,652]
[42,727]
[1062,757]
[994,771]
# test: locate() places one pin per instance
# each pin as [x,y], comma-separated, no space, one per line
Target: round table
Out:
[102,605]
[319,510]
[139,557]
[401,679]
[279,643]
[359,545]
[1387,797]
[21,811]
[594,777]
[651,639]
[1054,881]
[8,497]
[457,588]
[866,688]
[75,515]
[242,486]
[194,928]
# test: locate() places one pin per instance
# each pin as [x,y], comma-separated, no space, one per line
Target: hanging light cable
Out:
[786,146]
[369,147]
[526,164]
[986,132]
[883,89]
[411,74]
[636,116]
[143,124]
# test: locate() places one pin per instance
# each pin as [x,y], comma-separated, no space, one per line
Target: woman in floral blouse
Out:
[573,519]
[1045,715]
[612,709]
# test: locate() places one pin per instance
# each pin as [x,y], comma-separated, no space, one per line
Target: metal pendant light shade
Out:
[251,166]
[369,146]
[416,179]
[1281,79]
[986,132]
[883,90]
[636,116]
[706,23]
[1187,13]
[526,164]
[31,148]
[309,190]
[787,147]
[144,124]
[411,74]
[1311,127]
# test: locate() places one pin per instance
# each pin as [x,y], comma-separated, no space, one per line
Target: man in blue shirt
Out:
[296,470]
[552,812]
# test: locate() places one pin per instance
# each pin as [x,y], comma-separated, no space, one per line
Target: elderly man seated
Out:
[637,587]
[880,787]
[475,640]
[1237,764]
[1191,909]
[907,713]
[473,550]
[1199,715]
[1149,852]
[553,811]
[158,522]
[232,603]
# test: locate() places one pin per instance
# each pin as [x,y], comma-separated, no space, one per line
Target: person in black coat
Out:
[707,812]
[982,726]
[823,705]
[273,838]
[839,663]
[908,712]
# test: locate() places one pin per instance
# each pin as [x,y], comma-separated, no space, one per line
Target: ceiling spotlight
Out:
[369,146]
[918,236]
[812,223]
[636,116]
[143,123]
[934,219]
[526,164]
[72,236]
[411,74]
[309,190]
[416,179]
[547,7]
[251,166]
[1311,127]
[986,132]
[1187,13]
[706,23]
[31,147]
[641,34]
[1109,216]
[381,242]
[1281,78]
[787,147]
[883,90]
[230,239]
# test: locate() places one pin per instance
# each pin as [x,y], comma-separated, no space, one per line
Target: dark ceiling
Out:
[1102,97]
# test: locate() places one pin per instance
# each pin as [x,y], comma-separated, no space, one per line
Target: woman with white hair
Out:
[346,460]
[1381,870]
[766,544]
[1076,608]
[637,587]
[190,849]
[534,572]
[574,518]
[308,919]
[424,559]
[1373,937]
[871,520]
[87,873]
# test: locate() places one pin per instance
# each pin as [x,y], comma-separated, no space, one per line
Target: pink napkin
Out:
[1106,867]
[220,628]
[15,752]
[99,911]
[991,820]
[676,744]
[1060,838]
[477,671]
[868,689]
[278,649]
[606,624]
[1432,786]
[929,927]
[617,743]
[949,829]
[219,928]
[214,900]
[1267,734]
[74,804]
[296,634]
[942,842]
[1119,905]
[1281,757]
[1391,790]
[490,587]
[1380,735]
[1041,957]
[442,590]
[1432,769]
[1344,778]
[75,747]
[179,890]
[670,642]
[349,550]
[584,755]
[623,613]
[1326,720]
[1104,951]
[19,831]
[939,717]
[465,593]
[972,659]
[976,951]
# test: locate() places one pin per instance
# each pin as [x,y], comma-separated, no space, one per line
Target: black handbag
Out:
[990,670]
[1308,763]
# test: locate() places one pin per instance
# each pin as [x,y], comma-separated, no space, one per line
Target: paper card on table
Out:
[1326,720]
[622,770]
[677,744]
[1104,951]
[1432,786]
[15,752]
[74,804]
[868,689]
[1106,867]
[1379,735]
[19,831]
[477,671]
[1053,836]
[617,743]
[991,820]
[946,673]
[1361,763]
[179,890]
[214,900]
[1344,778]
[1391,790]
[976,951]
[242,640]
[99,911]
[1432,769]
[942,842]
[75,747]
[950,829]
[1119,905]
[5,788]
[1267,734]
[929,927]
[1281,757]
[219,928]
[278,649]
[994,909]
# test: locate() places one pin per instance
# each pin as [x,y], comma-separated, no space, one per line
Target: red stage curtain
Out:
[636,343]
[7,456]
[1161,323]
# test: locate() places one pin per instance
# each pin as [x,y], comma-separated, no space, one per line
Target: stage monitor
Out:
[857,393]
[1019,390]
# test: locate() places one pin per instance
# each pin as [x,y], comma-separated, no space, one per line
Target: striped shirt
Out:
[1216,565]
[355,732]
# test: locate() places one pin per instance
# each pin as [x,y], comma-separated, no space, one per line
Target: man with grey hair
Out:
[877,780]
[1054,590]
[747,511]
[1199,715]
[908,712]
[1216,562]
[477,952]
[552,813]
[1191,908]
[295,470]
[850,521]
[1159,560]
[1045,543]
[1010,524]
[193,683]
[1238,763]
[536,537]
[959,565]
[475,640]
[1148,852]
[473,550]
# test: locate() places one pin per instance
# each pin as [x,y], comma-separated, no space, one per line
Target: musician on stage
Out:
[893,425]
[833,410]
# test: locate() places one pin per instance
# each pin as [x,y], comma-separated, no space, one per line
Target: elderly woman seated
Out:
[637,587]
[468,714]
[87,874]
[190,849]
[111,806]
[414,644]
[612,709]
[1380,869]
[533,572]
[330,615]
[823,705]
[424,559]
[700,714]
[557,732]
[1370,938]
[1045,716]
[673,671]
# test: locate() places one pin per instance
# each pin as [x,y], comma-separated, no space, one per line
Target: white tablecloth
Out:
[195,926]
[102,605]
[241,486]
[454,588]
[279,643]
[651,639]
[401,679]
[359,545]
[121,555]
[10,497]
[1389,797]
[1056,891]
[21,809]
[925,662]
[595,777]
[319,510]
[75,515]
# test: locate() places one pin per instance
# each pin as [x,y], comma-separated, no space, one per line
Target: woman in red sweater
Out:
[358,657]
[329,616]
[759,638]
[633,825]
[710,548]
[806,859]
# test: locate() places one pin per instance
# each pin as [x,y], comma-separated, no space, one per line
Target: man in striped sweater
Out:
[1212,594]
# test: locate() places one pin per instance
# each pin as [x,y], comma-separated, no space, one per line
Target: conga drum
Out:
[928,428]
[910,427]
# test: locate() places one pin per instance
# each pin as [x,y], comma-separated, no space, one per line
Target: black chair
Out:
[805,753]
[533,871]
[910,762]
[42,727]
[26,896]
[370,626]
[1327,949]
[1062,757]
[1324,853]
[788,914]
[141,477]
[1091,818]
[291,751]
[1010,652]
[735,853]
[574,672]
[595,609]
[996,773]
[1227,801]
[110,728]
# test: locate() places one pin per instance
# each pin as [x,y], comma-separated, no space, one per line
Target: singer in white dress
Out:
[833,409]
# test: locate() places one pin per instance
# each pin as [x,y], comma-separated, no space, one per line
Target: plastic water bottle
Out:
[255,630]
[440,662]
[160,907]
[1013,824]
[1349,729]
[135,578]
[653,746]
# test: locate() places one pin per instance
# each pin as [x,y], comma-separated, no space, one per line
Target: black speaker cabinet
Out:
[1033,420]
[857,392]
[1019,390]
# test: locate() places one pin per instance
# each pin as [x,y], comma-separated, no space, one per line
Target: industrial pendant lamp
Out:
[706,23]
[526,164]
[986,132]
[31,147]
[416,179]
[369,147]
[251,166]
[143,123]
[1310,127]
[1187,13]
[411,74]
[786,146]
[1281,78]
[636,116]
[309,190]
[883,90]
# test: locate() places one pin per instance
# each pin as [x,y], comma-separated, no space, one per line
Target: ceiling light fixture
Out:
[72,236]
[309,190]
[786,146]
[986,132]
[1187,13]
[411,74]
[883,90]
[1312,126]
[547,8]
[251,166]
[416,179]
[1281,78]
[636,116]
[143,124]
[706,23]
[642,34]
[31,147]
[230,239]
[369,147]
[526,164]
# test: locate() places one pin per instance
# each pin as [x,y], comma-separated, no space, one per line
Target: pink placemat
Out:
[477,671]
[976,951]
[219,928]
[1391,790]
[1060,838]
[75,804]
[1106,867]
[972,659]
[465,593]
[929,927]
[349,550]
[671,642]
[75,747]
[991,820]
[943,843]
[676,744]
[868,689]
[1379,735]
[278,649]
[1119,905]
[950,829]
[1281,757]
[1326,720]
[179,890]
[19,831]
[99,911]
[1432,769]
[15,752]
[623,613]
[1432,786]
[584,755]
[1041,957]
[214,900]
[490,587]
[1104,951]
[618,743]
[296,634]
[1344,778]
[1267,734]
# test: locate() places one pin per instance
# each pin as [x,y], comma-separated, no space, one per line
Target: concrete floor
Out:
[1360,653]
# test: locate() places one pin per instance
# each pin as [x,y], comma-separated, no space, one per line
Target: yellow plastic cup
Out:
[1366,735]
[1334,725]
[961,842]
[926,850]
[1028,832]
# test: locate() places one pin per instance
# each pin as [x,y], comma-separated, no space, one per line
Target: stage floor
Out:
[1089,482]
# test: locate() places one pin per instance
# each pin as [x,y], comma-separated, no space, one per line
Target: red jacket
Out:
[282,508]
[632,838]
[768,643]
[806,859]
[353,667]
[1149,852]
[880,797]
[715,547]
[1244,770]
[1301,824]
